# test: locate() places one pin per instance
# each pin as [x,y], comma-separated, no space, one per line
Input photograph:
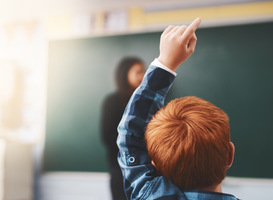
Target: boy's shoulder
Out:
[161,188]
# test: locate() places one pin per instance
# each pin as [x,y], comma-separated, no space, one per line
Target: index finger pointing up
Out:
[191,29]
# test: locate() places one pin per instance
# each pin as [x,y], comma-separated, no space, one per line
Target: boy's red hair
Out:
[188,140]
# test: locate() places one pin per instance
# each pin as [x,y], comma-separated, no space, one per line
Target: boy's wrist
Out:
[157,63]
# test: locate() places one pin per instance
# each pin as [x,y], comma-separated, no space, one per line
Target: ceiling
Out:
[26,9]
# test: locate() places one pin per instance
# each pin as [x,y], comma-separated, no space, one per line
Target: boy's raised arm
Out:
[176,45]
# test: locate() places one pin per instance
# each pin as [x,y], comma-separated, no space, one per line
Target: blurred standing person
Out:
[128,76]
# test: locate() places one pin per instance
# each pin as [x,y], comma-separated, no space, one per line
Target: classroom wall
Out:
[231,68]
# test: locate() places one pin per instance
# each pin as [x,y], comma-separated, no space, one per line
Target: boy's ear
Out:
[153,163]
[231,154]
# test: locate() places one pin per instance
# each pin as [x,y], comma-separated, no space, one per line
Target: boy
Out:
[188,148]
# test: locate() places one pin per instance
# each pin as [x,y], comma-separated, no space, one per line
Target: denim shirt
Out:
[141,180]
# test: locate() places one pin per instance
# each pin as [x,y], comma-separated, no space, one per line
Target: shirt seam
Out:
[150,188]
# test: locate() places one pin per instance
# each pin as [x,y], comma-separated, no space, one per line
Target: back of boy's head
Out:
[188,141]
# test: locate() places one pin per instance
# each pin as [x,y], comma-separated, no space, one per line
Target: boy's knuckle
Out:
[171,37]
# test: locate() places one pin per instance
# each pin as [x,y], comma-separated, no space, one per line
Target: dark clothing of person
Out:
[112,111]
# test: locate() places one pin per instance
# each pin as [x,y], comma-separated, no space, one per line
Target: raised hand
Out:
[177,43]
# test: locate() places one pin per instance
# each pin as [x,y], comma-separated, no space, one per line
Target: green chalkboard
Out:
[232,67]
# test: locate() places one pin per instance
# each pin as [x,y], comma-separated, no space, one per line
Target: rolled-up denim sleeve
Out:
[148,98]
